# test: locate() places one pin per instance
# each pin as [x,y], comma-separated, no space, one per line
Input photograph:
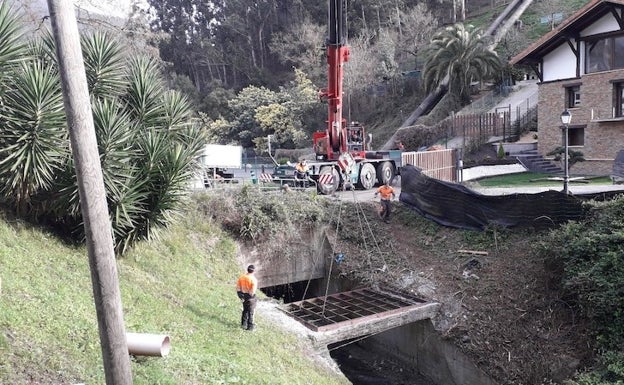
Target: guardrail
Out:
[266,185]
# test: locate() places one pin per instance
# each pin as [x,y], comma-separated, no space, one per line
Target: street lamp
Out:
[566,117]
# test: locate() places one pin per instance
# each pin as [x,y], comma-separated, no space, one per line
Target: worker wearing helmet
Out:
[246,287]
[387,194]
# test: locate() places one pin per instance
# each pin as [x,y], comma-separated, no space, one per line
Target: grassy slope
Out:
[181,286]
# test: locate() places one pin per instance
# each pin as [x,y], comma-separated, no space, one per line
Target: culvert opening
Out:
[378,336]
[364,364]
[293,292]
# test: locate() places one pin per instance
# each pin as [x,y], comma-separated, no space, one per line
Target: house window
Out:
[576,136]
[618,48]
[573,96]
[619,99]
[604,54]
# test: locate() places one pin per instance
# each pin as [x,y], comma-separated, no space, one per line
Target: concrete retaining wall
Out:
[297,257]
[440,361]
[515,148]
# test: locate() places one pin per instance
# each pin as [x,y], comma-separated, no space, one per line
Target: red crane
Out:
[343,156]
[332,143]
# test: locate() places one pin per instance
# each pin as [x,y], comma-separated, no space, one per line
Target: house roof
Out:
[570,27]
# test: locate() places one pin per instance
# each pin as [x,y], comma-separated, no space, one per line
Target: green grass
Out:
[536,179]
[181,285]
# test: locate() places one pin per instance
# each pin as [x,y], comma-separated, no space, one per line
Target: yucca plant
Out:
[35,143]
[147,158]
[146,143]
[144,96]
[116,139]
[104,65]
[12,49]
[12,42]
[167,164]
[177,110]
[43,48]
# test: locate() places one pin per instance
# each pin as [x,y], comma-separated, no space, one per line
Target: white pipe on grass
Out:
[145,344]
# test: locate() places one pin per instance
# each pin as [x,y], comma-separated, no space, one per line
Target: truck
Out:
[343,158]
[216,160]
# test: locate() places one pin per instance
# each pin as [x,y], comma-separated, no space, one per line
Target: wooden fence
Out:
[438,164]
[481,126]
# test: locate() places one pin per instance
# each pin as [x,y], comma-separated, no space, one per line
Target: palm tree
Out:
[460,54]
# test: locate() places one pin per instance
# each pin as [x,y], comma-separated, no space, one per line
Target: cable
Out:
[331,265]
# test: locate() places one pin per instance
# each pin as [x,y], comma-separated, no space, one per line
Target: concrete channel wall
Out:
[300,257]
[421,345]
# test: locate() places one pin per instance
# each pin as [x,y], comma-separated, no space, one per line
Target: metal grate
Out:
[341,309]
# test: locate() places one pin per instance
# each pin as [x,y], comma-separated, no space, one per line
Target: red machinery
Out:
[342,158]
[329,145]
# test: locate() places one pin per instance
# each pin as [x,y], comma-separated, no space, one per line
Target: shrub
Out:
[501,151]
[590,256]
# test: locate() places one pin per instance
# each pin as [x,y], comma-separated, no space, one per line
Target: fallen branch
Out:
[472,252]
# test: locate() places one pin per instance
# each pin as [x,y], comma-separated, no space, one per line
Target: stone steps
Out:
[535,162]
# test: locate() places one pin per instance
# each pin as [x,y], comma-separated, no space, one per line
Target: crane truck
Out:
[342,150]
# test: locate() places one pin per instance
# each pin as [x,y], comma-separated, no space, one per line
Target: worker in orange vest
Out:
[387,194]
[301,173]
[246,287]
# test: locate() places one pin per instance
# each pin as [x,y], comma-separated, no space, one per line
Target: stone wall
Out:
[603,139]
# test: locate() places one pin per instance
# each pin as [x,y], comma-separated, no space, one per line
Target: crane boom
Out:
[337,55]
[344,158]
[334,141]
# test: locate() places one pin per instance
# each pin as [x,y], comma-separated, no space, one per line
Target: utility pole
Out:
[92,194]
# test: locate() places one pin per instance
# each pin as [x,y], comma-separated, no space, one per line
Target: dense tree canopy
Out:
[238,44]
[256,112]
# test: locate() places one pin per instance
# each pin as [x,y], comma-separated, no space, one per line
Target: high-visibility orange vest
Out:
[301,167]
[247,283]
[386,192]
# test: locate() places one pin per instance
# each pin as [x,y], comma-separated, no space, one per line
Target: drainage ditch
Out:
[411,354]
[359,360]
[364,365]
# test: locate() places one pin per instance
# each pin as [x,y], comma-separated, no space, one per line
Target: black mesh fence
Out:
[455,205]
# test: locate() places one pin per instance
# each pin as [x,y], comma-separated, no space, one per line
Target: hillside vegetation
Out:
[562,288]
[181,285]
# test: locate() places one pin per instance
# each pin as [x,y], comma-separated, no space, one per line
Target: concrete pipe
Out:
[144,344]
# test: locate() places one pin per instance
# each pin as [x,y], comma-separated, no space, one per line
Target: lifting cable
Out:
[365,226]
[331,263]
[370,243]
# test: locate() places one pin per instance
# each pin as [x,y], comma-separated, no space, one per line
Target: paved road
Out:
[369,195]
[573,189]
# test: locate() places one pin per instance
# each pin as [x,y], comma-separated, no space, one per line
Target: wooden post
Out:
[92,194]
